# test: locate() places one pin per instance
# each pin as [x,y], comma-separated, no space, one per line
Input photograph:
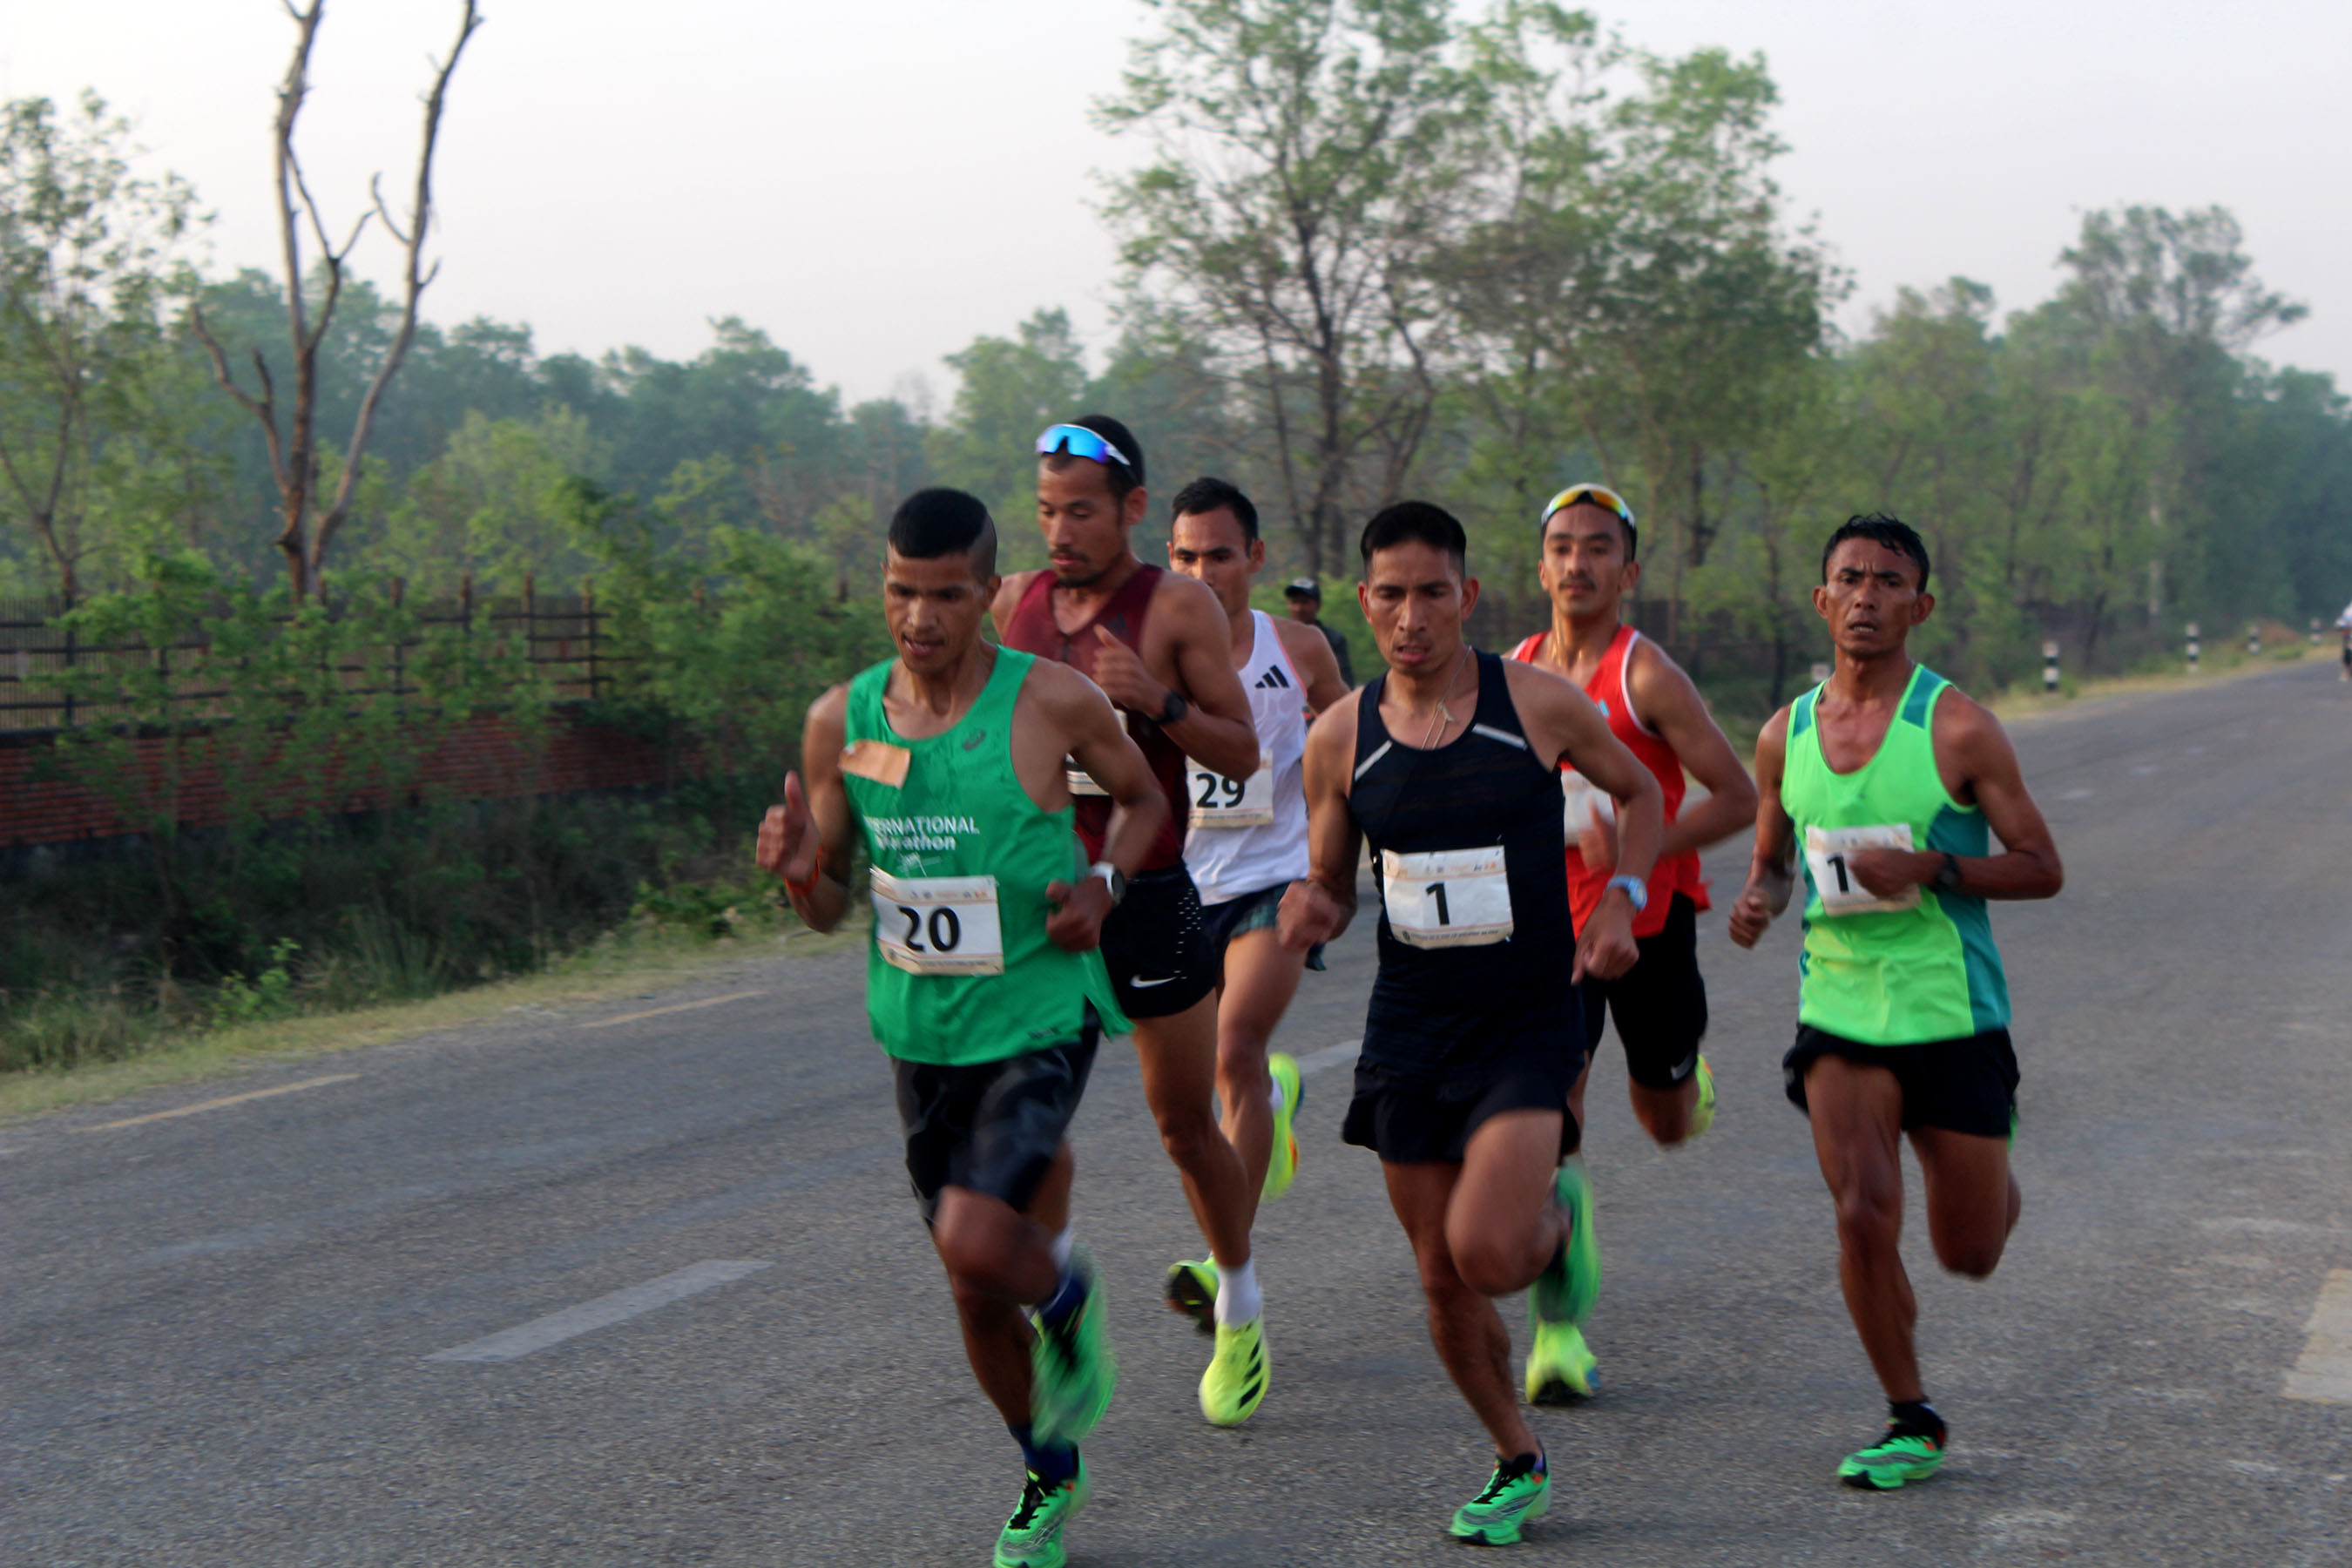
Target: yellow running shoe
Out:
[1702,1116]
[1234,1384]
[1561,1366]
[1283,1163]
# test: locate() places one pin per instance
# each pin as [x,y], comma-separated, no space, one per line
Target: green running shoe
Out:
[1516,1495]
[1234,1384]
[1033,1536]
[1071,1370]
[1702,1116]
[1564,1292]
[1192,1290]
[1283,1165]
[1894,1460]
[1560,1368]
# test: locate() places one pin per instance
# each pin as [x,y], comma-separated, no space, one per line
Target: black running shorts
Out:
[1659,1004]
[1967,1085]
[1409,1118]
[992,1127]
[1157,946]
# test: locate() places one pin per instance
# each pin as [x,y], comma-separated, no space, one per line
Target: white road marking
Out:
[1328,1056]
[2324,1372]
[601,1313]
[674,1007]
[224,1100]
[2078,795]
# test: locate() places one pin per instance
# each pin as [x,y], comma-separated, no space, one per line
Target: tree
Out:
[1007,390]
[88,262]
[308,528]
[1310,156]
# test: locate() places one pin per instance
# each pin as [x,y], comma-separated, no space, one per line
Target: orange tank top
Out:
[1673,874]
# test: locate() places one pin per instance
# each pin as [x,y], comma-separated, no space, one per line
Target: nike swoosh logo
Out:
[1148,985]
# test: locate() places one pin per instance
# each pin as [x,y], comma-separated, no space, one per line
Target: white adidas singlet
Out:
[1232,847]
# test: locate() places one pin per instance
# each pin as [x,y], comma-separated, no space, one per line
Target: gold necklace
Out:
[1445,720]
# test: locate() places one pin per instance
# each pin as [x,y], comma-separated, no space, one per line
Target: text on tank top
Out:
[958,968]
[1609,688]
[1920,965]
[1474,923]
[1250,834]
[1031,629]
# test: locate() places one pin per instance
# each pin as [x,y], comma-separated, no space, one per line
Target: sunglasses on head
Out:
[1600,494]
[1079,442]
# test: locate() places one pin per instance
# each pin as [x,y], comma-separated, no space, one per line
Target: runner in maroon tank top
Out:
[1659,1005]
[1159,646]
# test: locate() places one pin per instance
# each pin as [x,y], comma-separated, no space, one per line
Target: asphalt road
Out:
[219,1330]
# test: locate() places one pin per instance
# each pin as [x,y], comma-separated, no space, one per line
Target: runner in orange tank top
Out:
[1588,565]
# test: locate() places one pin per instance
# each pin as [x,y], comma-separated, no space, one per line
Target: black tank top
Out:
[1506,1000]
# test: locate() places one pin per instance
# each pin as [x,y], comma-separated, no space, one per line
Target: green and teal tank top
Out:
[1888,972]
[959,969]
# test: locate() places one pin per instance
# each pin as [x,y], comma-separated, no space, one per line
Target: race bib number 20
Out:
[938,925]
[1826,849]
[1447,898]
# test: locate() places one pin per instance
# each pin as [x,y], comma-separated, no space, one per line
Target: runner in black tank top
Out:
[1448,765]
[1486,1005]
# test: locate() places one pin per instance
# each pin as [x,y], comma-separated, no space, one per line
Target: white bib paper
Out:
[1826,849]
[1582,806]
[938,925]
[1081,781]
[1447,898]
[1221,801]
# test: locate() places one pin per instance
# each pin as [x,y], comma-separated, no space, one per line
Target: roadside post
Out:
[2050,667]
[2192,647]
[2253,639]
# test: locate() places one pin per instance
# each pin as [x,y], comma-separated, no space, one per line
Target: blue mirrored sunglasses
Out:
[1080,442]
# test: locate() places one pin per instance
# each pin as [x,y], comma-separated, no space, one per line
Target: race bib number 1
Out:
[1447,898]
[1826,849]
[938,925]
[1221,801]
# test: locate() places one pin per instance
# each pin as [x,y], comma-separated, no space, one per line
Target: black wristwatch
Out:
[1112,877]
[1173,710]
[1948,875]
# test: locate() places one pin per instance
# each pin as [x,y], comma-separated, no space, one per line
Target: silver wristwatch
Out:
[1112,877]
[1637,892]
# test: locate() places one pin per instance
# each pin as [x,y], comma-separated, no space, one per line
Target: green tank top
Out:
[1888,976]
[959,969]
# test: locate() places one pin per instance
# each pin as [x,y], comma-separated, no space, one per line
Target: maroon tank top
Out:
[1031,630]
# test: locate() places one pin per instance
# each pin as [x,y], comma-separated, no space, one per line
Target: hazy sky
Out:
[876,183]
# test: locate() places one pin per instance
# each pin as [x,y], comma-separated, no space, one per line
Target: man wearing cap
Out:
[1587,538]
[1305,597]
[1159,644]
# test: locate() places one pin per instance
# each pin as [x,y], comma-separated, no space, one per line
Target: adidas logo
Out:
[1274,678]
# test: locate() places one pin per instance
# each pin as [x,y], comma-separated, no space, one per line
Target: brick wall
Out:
[483,759]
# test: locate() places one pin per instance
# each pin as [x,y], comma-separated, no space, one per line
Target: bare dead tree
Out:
[308,528]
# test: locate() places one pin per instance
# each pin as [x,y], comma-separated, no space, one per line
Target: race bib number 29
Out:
[1826,849]
[1447,898]
[1221,801]
[938,925]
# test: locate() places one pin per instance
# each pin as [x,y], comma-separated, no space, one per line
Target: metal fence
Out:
[46,668]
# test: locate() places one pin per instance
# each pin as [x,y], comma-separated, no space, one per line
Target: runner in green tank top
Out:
[1886,784]
[983,982]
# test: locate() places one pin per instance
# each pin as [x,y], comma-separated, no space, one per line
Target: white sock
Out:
[1273,1096]
[1238,1300]
[1061,1248]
